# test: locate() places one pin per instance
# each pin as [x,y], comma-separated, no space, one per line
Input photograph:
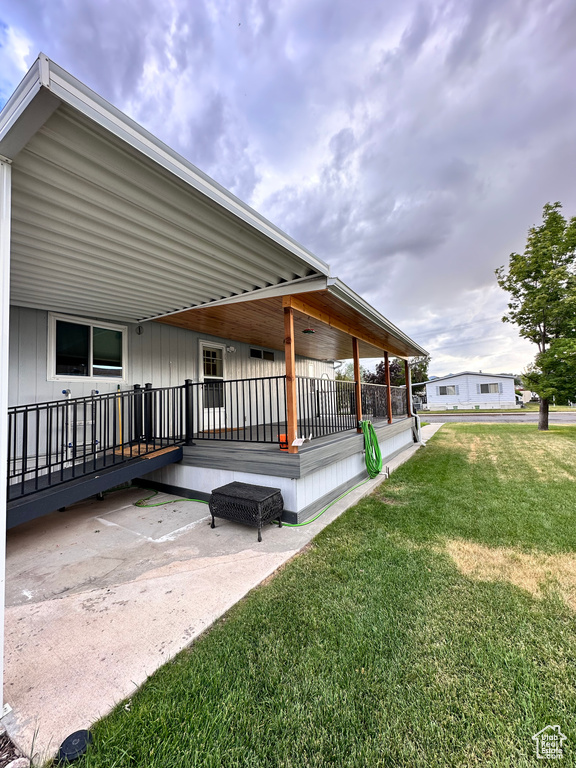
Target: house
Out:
[154,328]
[469,390]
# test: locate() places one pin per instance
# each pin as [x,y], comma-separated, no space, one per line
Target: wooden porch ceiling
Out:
[261,322]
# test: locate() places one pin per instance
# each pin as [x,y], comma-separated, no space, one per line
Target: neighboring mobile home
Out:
[160,329]
[470,390]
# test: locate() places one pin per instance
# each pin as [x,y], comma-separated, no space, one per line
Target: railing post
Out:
[189,411]
[291,395]
[148,395]
[358,387]
[137,421]
[388,387]
[407,374]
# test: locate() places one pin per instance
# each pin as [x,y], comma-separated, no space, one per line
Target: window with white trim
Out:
[449,389]
[86,349]
[489,389]
[261,354]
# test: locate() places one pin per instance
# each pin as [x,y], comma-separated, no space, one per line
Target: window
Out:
[448,390]
[489,389]
[261,354]
[213,366]
[212,360]
[81,348]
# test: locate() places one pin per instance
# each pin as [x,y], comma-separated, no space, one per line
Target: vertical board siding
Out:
[162,355]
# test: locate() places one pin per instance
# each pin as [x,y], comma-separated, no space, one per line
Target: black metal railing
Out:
[325,406]
[53,442]
[374,401]
[399,401]
[240,410]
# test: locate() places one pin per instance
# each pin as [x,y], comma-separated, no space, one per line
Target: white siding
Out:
[468,395]
[163,355]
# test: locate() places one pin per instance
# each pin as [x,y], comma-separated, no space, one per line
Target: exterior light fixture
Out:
[308,330]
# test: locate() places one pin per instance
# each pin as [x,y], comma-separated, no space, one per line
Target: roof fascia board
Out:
[348,296]
[74,93]
[468,373]
[302,285]
[27,109]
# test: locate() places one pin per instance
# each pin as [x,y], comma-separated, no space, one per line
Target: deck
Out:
[38,496]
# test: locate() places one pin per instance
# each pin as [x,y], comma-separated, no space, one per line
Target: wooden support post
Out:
[388,387]
[291,397]
[408,389]
[356,352]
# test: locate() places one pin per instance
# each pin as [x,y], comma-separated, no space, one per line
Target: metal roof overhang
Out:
[109,222]
[332,310]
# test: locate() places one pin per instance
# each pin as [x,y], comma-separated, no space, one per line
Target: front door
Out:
[213,389]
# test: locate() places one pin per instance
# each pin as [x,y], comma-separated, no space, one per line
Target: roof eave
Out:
[348,296]
[46,85]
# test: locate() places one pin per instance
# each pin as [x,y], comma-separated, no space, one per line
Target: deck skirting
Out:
[309,480]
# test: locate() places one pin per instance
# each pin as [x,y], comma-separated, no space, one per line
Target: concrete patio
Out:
[101,595]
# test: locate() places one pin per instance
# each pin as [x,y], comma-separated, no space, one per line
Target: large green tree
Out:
[542,287]
[418,371]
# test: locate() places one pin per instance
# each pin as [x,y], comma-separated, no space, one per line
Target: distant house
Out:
[470,390]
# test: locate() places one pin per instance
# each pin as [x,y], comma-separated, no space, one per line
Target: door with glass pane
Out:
[213,389]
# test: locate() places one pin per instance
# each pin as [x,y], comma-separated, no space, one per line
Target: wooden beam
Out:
[356,353]
[388,387]
[407,376]
[332,320]
[291,399]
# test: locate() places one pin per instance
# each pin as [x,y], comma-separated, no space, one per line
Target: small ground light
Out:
[74,746]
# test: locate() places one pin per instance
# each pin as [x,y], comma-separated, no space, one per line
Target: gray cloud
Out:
[411,144]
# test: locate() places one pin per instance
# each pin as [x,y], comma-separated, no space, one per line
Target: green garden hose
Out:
[141,502]
[373,459]
[373,456]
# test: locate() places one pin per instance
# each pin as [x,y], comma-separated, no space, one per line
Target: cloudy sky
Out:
[409,144]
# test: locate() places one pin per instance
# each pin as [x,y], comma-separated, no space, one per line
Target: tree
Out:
[542,287]
[346,373]
[418,371]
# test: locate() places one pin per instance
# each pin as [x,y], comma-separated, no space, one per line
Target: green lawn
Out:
[528,408]
[403,636]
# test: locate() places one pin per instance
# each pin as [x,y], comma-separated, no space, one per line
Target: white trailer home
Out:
[155,327]
[470,390]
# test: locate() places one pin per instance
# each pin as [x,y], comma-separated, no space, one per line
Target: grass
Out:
[528,408]
[382,645]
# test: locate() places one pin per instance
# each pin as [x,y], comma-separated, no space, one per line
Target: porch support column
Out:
[356,352]
[407,376]
[291,398]
[5,213]
[388,387]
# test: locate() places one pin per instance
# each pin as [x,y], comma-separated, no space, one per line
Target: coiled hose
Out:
[373,457]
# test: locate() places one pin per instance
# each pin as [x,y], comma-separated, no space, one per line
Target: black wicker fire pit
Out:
[253,505]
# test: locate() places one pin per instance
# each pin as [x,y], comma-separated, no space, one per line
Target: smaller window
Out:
[261,354]
[212,357]
[489,389]
[447,390]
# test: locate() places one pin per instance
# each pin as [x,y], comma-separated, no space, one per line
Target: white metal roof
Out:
[108,221]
